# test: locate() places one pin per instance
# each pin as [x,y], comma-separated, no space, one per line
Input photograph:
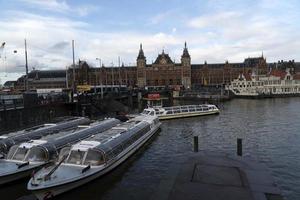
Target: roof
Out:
[163,56]
[296,76]
[278,73]
[9,83]
[47,74]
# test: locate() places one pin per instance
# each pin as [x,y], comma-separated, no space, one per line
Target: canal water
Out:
[270,130]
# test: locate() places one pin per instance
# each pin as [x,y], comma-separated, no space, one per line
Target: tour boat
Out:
[183,111]
[22,159]
[94,157]
[279,84]
[37,132]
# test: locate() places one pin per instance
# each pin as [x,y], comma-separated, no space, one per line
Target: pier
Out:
[215,176]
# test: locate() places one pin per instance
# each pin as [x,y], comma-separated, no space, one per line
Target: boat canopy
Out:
[115,146]
[50,149]
[41,131]
[104,147]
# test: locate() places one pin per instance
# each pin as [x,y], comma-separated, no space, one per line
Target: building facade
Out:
[165,72]
[42,79]
[162,72]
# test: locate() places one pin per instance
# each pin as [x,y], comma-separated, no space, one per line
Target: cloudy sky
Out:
[215,30]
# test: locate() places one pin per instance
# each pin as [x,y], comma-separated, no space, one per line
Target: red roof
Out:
[296,76]
[278,73]
[247,76]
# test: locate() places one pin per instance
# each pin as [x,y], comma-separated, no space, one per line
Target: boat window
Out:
[184,110]
[146,112]
[199,109]
[169,112]
[76,157]
[94,158]
[64,151]
[20,153]
[37,155]
[152,113]
[12,151]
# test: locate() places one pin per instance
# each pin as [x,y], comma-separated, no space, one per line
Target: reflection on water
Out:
[270,130]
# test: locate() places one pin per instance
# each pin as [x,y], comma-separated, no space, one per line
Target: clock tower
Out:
[141,68]
[186,68]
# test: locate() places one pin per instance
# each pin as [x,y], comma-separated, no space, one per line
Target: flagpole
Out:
[26,66]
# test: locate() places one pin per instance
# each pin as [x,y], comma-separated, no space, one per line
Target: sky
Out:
[215,31]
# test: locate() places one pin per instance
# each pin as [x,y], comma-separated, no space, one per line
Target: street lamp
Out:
[101,86]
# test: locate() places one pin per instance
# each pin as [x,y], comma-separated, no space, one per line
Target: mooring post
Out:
[196,144]
[239,147]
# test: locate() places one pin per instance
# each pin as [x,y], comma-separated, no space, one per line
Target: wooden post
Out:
[196,149]
[239,147]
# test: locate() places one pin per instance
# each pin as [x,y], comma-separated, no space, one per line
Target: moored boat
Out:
[38,132]
[92,158]
[22,159]
[183,111]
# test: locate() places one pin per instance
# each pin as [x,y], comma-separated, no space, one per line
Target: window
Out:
[76,157]
[64,151]
[94,158]
[20,154]
[37,155]
[11,151]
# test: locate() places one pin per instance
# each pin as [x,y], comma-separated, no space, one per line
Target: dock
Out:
[213,176]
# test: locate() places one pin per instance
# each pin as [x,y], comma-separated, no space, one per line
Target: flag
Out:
[3,44]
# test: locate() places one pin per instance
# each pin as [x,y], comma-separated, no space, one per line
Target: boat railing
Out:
[187,108]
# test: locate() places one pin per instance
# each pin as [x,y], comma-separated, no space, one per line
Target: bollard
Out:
[196,144]
[239,147]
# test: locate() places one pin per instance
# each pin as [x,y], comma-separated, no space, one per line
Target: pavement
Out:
[212,176]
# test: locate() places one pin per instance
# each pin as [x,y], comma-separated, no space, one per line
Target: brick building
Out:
[162,72]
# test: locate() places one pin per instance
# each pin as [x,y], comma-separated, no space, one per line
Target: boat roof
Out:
[57,143]
[183,106]
[38,132]
[112,133]
[32,143]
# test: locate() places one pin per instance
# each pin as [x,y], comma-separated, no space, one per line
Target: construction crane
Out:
[1,48]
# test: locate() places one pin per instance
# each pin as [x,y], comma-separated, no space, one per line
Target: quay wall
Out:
[15,119]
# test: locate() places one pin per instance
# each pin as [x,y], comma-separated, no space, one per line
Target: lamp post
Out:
[101,86]
[26,66]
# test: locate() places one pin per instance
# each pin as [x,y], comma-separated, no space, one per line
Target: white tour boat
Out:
[276,84]
[22,159]
[94,157]
[183,111]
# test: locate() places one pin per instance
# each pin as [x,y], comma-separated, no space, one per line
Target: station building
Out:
[160,73]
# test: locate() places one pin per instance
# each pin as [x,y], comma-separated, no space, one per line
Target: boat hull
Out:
[46,193]
[5,179]
[190,114]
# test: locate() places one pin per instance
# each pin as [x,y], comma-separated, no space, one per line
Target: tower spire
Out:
[185,51]
[141,53]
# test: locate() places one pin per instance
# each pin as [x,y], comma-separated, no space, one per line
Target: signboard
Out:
[154,96]
[83,88]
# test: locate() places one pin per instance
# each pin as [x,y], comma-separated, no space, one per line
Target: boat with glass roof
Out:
[22,159]
[183,111]
[38,132]
[94,157]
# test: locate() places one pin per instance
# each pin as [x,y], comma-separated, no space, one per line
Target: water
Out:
[270,130]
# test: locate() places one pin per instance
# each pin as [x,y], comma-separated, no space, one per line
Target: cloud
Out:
[224,33]
[61,6]
[214,20]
